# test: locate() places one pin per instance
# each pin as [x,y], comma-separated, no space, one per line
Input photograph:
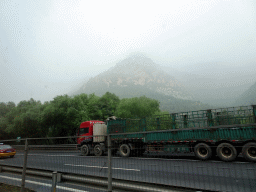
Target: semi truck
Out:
[224,132]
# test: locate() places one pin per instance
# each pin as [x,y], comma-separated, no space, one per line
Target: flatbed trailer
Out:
[225,132]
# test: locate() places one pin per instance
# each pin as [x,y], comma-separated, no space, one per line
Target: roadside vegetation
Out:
[63,115]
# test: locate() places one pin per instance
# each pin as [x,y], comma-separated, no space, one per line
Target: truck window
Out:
[84,131]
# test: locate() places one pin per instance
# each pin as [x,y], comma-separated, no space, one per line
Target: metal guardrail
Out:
[98,181]
[170,176]
[47,147]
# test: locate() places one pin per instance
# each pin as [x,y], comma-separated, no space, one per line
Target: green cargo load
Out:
[234,125]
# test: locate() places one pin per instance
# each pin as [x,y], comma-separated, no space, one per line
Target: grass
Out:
[11,188]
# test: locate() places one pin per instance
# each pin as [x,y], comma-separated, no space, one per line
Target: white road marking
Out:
[101,167]
[43,184]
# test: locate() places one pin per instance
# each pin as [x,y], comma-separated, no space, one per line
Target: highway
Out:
[183,171]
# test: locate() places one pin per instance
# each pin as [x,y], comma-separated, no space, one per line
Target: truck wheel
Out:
[249,151]
[226,152]
[85,150]
[203,151]
[97,150]
[124,150]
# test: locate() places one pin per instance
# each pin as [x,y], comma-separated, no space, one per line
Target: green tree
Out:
[63,115]
[93,107]
[108,104]
[137,107]
[24,120]
[6,107]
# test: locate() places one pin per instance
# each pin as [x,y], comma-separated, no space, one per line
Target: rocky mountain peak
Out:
[135,64]
[136,72]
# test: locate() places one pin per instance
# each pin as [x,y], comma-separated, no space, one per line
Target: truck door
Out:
[84,130]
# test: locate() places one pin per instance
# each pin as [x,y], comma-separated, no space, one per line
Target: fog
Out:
[49,48]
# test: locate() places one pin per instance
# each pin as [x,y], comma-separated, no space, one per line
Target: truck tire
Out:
[98,150]
[124,150]
[226,152]
[85,150]
[203,151]
[249,151]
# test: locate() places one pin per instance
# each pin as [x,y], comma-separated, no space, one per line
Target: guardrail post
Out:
[109,165]
[59,175]
[54,181]
[24,167]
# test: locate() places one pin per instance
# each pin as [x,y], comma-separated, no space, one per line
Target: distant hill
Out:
[248,97]
[138,75]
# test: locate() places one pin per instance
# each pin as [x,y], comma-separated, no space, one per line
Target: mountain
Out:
[138,75]
[248,97]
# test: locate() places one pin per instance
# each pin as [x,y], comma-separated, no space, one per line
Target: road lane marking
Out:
[43,184]
[125,169]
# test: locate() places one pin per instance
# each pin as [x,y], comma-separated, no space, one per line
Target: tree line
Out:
[63,115]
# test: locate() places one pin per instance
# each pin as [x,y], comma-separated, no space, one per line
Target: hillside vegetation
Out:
[63,115]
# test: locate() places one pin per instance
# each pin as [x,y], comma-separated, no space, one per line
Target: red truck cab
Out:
[86,129]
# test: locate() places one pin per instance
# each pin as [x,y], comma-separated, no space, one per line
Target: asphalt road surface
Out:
[173,170]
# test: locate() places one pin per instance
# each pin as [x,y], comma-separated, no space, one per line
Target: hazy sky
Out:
[47,47]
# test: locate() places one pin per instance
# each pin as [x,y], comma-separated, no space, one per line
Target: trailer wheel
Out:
[98,150]
[203,151]
[124,150]
[226,152]
[85,150]
[249,151]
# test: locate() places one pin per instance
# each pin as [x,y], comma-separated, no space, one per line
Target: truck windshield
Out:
[83,131]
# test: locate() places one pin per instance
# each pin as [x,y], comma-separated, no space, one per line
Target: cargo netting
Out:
[193,119]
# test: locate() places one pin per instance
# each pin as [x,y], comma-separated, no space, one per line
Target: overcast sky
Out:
[47,47]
